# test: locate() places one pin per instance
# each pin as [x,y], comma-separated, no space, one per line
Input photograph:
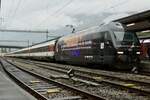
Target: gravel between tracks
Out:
[39,85]
[103,89]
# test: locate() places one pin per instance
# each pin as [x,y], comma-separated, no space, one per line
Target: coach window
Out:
[46,48]
[36,50]
[33,50]
[39,49]
[43,49]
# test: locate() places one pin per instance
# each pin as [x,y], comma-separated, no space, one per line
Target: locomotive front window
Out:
[125,38]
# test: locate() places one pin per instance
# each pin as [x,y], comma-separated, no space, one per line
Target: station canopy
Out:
[145,41]
[137,22]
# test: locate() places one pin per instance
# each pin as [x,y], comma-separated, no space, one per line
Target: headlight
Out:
[119,52]
[138,53]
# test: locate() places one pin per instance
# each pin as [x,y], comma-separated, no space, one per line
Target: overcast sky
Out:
[53,15]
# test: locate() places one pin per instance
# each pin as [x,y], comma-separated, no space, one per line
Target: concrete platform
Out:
[10,91]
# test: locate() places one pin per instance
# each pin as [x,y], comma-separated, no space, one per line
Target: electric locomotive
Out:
[107,44]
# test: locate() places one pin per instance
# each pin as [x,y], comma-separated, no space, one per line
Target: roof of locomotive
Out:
[101,28]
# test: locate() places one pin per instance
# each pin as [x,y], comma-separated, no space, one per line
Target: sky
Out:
[54,15]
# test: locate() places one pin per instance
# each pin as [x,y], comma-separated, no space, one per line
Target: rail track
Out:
[147,73]
[139,78]
[92,78]
[43,88]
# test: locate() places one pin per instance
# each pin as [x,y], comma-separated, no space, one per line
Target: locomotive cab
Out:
[127,48]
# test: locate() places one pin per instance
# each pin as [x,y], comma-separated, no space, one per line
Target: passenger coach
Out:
[42,51]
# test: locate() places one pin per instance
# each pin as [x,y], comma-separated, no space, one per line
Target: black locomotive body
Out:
[108,44]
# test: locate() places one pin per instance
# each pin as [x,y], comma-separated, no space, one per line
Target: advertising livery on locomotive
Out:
[107,44]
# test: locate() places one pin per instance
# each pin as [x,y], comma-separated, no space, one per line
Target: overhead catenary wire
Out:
[62,8]
[15,11]
[0,5]
[106,9]
[7,16]
[12,41]
[56,12]
[116,5]
[10,10]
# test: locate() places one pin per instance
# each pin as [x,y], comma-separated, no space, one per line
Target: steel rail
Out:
[104,81]
[89,72]
[24,86]
[78,91]
[64,70]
